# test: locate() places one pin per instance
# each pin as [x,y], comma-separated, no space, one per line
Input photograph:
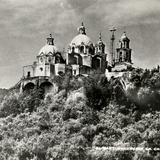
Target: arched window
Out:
[128,44]
[72,49]
[125,44]
[58,58]
[120,57]
[90,50]
[98,62]
[81,49]
[28,74]
[49,59]
[74,72]
[126,58]
[76,59]
[100,47]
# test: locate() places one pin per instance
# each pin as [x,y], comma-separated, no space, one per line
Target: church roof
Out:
[81,38]
[48,49]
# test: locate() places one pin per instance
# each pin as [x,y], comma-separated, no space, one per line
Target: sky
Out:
[25,25]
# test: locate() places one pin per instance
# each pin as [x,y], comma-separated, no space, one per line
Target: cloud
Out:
[25,18]
[126,12]
[29,17]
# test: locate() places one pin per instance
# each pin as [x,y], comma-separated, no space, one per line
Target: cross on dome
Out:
[82,29]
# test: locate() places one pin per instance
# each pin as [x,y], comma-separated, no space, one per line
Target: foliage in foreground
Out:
[93,114]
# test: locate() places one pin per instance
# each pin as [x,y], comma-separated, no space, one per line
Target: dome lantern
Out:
[82,29]
[50,40]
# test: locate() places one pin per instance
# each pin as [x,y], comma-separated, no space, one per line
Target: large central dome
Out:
[81,38]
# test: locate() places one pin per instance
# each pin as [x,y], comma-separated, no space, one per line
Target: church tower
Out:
[123,53]
[100,46]
[99,57]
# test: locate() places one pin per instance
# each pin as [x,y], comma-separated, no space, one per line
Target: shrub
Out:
[10,105]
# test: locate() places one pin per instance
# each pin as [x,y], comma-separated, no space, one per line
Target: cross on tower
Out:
[113,30]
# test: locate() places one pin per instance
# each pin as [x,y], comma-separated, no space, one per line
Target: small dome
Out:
[48,49]
[81,39]
[124,37]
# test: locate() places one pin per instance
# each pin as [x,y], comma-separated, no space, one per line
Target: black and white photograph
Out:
[79,79]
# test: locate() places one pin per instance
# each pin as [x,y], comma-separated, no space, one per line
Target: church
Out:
[83,57]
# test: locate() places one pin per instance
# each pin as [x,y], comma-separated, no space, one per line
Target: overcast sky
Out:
[25,24]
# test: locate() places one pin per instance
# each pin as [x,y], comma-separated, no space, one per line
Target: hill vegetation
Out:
[84,117]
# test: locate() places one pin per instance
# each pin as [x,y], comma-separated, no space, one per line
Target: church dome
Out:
[49,48]
[81,38]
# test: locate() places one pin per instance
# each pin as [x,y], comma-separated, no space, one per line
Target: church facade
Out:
[83,57]
[49,62]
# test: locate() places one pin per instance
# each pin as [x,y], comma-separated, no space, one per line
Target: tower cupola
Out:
[124,37]
[124,41]
[100,47]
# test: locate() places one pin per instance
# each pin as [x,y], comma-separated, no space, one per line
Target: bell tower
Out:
[123,53]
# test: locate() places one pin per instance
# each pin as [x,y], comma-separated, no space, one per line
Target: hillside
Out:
[84,117]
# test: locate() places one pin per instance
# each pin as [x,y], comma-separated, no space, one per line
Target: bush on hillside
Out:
[98,93]
[17,103]
[10,105]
